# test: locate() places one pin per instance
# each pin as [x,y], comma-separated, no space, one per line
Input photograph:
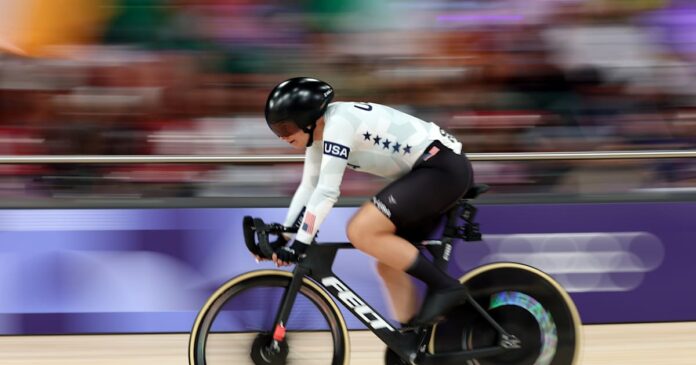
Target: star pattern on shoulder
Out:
[386,144]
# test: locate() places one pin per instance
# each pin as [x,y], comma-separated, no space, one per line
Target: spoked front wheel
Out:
[527,303]
[236,325]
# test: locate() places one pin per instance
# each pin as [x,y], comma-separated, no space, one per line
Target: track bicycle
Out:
[514,314]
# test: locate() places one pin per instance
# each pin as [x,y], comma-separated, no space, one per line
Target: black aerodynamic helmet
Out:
[296,104]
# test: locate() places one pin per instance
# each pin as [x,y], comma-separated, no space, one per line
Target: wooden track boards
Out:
[635,344]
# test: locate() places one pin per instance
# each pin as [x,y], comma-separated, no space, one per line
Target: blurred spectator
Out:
[190,77]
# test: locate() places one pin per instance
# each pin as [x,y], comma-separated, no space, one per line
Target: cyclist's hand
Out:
[285,256]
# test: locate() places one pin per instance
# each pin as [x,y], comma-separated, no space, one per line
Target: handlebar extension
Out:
[256,234]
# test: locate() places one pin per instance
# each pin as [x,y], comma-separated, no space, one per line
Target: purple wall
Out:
[150,270]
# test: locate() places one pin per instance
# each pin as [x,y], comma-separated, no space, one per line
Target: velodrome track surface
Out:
[635,344]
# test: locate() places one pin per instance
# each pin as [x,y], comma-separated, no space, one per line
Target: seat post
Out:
[451,224]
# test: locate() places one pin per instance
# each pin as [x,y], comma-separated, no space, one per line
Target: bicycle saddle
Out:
[475,191]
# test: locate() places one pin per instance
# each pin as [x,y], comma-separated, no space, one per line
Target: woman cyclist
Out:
[428,170]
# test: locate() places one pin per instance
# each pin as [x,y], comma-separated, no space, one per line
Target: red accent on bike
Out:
[279,333]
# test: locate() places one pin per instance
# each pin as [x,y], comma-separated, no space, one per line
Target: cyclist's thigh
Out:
[368,220]
[420,195]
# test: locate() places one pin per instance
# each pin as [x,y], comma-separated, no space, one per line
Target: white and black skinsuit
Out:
[419,156]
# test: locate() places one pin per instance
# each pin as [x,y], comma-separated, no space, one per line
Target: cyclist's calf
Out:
[403,296]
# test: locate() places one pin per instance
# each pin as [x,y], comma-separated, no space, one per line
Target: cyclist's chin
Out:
[298,144]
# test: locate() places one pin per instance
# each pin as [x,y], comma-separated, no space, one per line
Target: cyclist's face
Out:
[295,136]
[298,139]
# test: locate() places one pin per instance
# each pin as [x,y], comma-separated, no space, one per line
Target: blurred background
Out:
[190,77]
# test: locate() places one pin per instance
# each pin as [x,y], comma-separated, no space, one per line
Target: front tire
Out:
[236,322]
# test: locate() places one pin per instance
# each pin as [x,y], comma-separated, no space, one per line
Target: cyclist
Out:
[428,170]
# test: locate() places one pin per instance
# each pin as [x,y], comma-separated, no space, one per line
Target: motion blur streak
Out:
[107,77]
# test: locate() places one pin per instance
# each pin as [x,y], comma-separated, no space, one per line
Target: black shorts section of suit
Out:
[416,201]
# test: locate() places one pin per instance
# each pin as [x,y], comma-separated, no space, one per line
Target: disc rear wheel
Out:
[526,303]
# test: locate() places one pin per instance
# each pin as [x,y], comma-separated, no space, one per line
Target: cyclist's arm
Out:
[310,177]
[336,146]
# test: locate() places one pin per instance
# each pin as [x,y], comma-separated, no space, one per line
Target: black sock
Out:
[423,269]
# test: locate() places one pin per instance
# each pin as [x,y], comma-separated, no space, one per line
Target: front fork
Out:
[288,301]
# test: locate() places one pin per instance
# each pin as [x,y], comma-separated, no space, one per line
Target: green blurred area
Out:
[191,76]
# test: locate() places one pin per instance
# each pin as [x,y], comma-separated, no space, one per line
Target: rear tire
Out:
[527,303]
